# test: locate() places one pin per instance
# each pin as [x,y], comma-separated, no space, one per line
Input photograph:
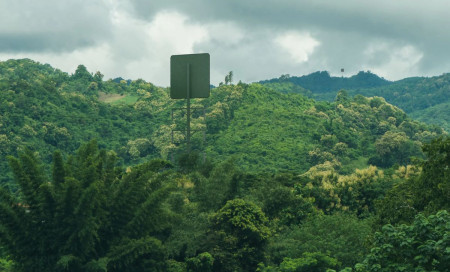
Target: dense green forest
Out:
[92,181]
[425,99]
[45,110]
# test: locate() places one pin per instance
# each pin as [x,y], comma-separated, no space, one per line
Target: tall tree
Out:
[240,232]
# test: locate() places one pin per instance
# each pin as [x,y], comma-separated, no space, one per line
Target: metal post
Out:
[188,129]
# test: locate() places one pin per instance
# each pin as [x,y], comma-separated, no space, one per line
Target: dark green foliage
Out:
[221,185]
[81,73]
[201,263]
[93,218]
[283,204]
[438,114]
[340,236]
[433,187]
[189,162]
[239,234]
[420,246]
[285,184]
[428,192]
[321,83]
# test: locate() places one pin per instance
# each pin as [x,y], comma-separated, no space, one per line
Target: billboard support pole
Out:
[188,106]
[197,84]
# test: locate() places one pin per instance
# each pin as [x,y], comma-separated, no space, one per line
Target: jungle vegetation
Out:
[91,180]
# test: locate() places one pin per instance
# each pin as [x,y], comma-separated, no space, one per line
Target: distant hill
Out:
[414,95]
[323,86]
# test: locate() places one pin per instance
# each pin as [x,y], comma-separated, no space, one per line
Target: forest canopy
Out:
[95,178]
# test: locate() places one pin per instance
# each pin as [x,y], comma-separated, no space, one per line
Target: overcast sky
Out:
[256,39]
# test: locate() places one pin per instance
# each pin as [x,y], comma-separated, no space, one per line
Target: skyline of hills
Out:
[262,127]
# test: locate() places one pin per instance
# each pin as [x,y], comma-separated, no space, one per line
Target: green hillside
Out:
[413,95]
[438,114]
[45,109]
[426,99]
[275,132]
[288,183]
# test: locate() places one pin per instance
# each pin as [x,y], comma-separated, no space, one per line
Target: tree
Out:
[394,147]
[201,263]
[239,234]
[421,246]
[82,73]
[433,186]
[229,78]
[342,97]
[89,217]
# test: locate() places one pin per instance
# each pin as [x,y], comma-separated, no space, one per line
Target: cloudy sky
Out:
[256,39]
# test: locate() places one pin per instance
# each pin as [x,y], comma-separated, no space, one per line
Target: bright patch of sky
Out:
[298,45]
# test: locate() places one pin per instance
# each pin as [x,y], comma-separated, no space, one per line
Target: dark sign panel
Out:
[189,74]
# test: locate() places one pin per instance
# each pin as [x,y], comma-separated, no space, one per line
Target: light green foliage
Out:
[6,265]
[271,131]
[420,246]
[309,262]
[201,263]
[262,132]
[420,97]
[45,109]
[127,100]
[289,87]
[395,147]
[333,192]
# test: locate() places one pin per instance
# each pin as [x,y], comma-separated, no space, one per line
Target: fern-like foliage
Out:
[90,216]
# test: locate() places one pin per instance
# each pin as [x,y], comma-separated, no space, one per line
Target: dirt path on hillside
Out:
[109,98]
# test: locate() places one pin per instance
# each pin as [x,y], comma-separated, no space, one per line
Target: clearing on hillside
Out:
[115,99]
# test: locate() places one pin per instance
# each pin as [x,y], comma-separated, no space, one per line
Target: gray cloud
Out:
[257,39]
[52,25]
[345,27]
